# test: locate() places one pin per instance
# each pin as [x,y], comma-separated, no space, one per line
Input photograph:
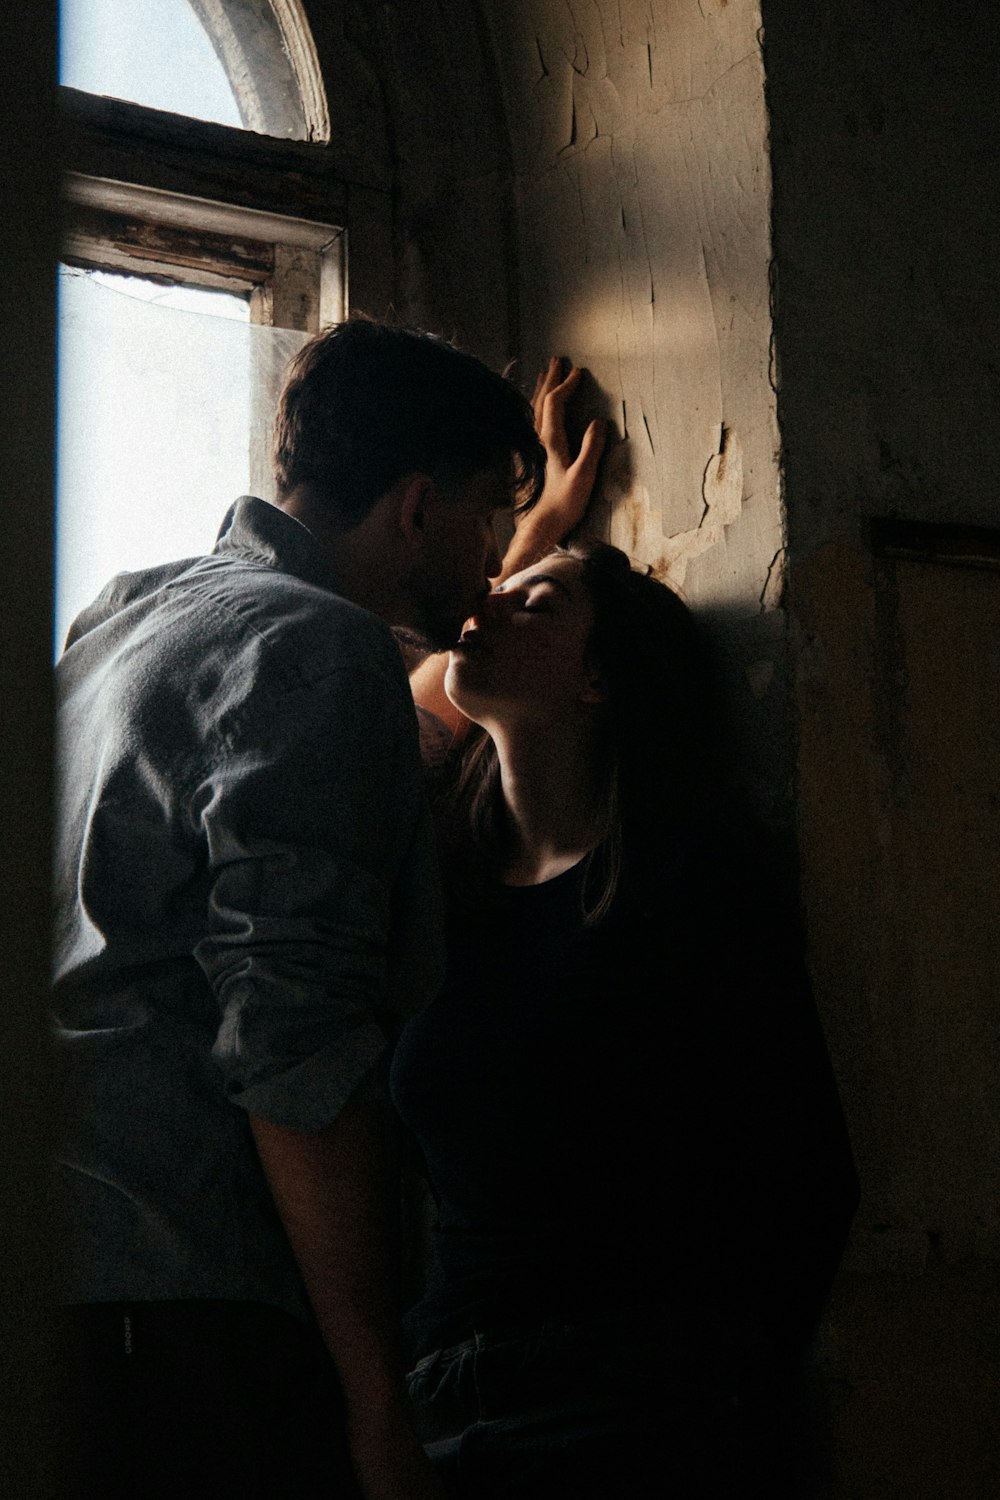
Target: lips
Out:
[470,639]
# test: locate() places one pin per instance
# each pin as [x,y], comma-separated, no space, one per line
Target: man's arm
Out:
[337,1192]
[308,832]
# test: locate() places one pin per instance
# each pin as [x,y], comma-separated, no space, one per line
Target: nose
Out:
[487,611]
[494,605]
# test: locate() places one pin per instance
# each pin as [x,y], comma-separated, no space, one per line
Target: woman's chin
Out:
[458,689]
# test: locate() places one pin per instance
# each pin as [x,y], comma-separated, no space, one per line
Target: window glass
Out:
[152,52]
[161,391]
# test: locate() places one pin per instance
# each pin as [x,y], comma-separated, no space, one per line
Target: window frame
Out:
[192,202]
[286,97]
[157,194]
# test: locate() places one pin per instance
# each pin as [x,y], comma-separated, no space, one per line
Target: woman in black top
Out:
[621,1097]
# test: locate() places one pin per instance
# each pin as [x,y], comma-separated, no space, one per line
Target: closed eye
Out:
[543,589]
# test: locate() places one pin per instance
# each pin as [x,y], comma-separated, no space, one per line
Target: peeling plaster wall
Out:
[638,138]
[413,97]
[591,178]
[885,140]
[886,219]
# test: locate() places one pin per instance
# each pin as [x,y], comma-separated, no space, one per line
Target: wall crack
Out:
[698,98]
[773,592]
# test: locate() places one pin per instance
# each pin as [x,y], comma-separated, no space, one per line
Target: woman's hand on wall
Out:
[569,479]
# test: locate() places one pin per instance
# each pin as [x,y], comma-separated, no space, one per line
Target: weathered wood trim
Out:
[266,50]
[176,210]
[123,142]
[125,243]
[297,36]
[118,226]
[291,297]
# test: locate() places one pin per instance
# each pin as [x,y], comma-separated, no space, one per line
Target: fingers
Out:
[591,449]
[550,376]
[550,408]
[552,382]
[552,391]
[547,379]
[563,389]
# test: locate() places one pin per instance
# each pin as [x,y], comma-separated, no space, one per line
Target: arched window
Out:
[205,240]
[285,98]
[105,48]
[255,203]
[248,63]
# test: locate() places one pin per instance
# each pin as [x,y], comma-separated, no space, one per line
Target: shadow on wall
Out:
[898,653]
[750,642]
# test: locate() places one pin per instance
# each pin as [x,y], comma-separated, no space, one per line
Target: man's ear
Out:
[416,492]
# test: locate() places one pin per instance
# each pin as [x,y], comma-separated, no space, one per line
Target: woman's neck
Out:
[551,799]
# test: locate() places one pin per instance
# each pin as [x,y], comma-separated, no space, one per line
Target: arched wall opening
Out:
[494,148]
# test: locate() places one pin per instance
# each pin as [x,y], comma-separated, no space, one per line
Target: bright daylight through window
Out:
[165,388]
[153,52]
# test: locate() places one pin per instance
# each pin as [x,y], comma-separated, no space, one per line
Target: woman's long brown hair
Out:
[658,738]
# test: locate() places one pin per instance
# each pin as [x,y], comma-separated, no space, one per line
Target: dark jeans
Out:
[575,1411]
[179,1399]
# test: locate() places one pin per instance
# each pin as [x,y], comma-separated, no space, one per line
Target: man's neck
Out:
[361,558]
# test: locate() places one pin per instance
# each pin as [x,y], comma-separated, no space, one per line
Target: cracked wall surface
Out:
[884,150]
[590,178]
[887,299]
[638,139]
[417,117]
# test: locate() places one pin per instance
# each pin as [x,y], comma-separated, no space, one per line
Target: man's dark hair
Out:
[366,403]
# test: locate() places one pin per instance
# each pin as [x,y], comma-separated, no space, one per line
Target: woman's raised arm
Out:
[569,484]
[569,481]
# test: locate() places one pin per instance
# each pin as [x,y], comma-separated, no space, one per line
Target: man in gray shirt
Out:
[245,913]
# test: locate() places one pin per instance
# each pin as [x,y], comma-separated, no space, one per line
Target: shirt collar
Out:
[262,533]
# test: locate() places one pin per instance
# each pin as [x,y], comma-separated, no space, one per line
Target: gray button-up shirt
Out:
[246,901]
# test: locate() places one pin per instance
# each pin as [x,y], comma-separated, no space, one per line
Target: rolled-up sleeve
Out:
[308,818]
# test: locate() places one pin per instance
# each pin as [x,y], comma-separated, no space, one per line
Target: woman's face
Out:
[524,655]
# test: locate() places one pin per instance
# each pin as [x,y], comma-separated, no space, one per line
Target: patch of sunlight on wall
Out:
[156,390]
